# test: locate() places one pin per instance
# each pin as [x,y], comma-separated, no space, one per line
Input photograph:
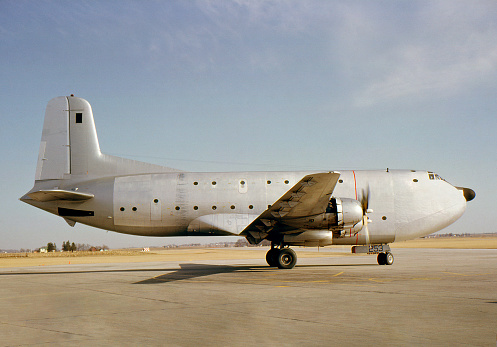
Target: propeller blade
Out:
[365,200]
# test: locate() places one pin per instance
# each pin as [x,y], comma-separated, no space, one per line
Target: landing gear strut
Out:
[283,258]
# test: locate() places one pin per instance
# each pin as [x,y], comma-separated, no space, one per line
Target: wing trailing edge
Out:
[309,197]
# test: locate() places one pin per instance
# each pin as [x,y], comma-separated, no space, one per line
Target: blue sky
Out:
[253,85]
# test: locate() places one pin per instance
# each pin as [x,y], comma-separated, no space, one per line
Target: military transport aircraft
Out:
[364,209]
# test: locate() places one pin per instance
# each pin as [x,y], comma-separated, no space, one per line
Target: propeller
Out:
[365,210]
[365,201]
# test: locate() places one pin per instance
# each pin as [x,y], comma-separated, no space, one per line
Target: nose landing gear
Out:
[385,258]
[383,251]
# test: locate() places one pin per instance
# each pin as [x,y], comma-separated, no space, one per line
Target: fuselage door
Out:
[155,210]
[242,186]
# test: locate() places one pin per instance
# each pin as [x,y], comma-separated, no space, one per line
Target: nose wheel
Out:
[283,258]
[385,258]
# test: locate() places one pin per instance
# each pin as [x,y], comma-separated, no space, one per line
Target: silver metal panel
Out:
[53,159]
[224,223]
[133,194]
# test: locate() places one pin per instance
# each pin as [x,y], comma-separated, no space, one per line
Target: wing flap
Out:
[59,194]
[309,197]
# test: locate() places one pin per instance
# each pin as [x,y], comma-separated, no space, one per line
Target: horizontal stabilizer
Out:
[59,194]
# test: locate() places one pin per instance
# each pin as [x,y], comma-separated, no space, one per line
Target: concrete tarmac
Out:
[428,297]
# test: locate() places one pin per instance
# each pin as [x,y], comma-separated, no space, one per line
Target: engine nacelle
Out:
[340,214]
[310,238]
[343,213]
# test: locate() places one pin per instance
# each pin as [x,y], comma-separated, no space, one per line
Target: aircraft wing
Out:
[309,197]
[59,194]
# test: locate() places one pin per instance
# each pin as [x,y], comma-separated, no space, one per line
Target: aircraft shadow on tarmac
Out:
[189,271]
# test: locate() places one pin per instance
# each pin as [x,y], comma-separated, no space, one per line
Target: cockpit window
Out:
[434,176]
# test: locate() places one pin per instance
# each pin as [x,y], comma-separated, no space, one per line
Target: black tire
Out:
[286,258]
[382,259]
[272,257]
[389,258]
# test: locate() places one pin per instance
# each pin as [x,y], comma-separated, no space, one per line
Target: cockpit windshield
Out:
[434,176]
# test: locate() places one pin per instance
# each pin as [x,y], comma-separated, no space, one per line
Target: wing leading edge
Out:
[309,197]
[59,194]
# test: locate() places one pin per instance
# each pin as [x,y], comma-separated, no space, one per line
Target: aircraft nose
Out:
[469,194]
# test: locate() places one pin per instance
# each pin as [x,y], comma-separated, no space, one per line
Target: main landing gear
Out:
[283,258]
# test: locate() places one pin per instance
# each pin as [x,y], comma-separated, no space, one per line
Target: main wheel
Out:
[272,257]
[388,258]
[382,259]
[286,258]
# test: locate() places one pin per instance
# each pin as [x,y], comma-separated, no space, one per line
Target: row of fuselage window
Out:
[177,208]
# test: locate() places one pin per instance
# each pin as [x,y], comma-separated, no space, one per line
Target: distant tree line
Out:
[244,243]
[68,246]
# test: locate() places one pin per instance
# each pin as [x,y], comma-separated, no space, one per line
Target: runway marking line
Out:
[466,275]
[379,280]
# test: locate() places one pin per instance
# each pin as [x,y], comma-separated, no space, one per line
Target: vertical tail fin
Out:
[54,157]
[69,145]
